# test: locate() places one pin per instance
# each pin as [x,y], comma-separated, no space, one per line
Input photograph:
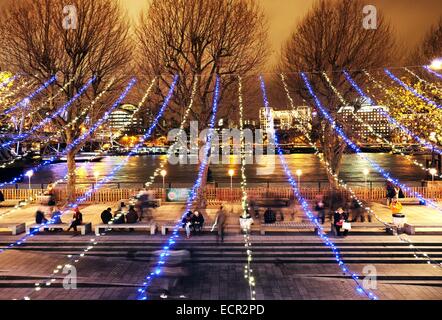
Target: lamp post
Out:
[299,174]
[433,172]
[366,173]
[436,64]
[96,176]
[163,174]
[231,172]
[29,174]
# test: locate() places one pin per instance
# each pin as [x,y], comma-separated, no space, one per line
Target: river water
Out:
[140,168]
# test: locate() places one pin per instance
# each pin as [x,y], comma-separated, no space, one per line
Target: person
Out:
[220,224]
[398,193]
[106,215]
[320,208]
[187,223]
[339,218]
[2,197]
[357,211]
[197,222]
[56,218]
[269,216]
[132,216]
[77,220]
[395,206]
[390,192]
[50,193]
[40,217]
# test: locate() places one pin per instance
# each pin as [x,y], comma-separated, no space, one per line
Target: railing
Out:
[212,193]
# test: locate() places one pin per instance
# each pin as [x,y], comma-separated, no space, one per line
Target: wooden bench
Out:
[410,229]
[362,225]
[287,226]
[141,225]
[84,228]
[409,201]
[15,228]
[171,225]
[10,203]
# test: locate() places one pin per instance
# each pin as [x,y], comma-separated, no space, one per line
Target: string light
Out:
[305,206]
[44,122]
[7,81]
[93,241]
[409,89]
[11,93]
[372,130]
[433,72]
[432,85]
[171,149]
[356,149]
[192,196]
[23,103]
[248,271]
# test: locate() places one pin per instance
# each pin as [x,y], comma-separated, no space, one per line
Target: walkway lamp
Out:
[231,173]
[436,64]
[163,174]
[299,174]
[29,174]
[433,172]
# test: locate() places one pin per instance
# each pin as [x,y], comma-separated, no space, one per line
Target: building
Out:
[369,115]
[123,119]
[299,118]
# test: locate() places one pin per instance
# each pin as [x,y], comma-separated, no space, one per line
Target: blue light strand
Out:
[356,149]
[390,119]
[61,110]
[23,102]
[32,233]
[193,194]
[305,205]
[434,73]
[78,140]
[412,90]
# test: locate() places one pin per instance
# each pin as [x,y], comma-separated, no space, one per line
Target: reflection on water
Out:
[140,168]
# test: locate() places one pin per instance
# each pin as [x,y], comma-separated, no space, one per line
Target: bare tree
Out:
[36,41]
[430,47]
[330,38]
[198,38]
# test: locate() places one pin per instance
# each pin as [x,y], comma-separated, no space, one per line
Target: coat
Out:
[220,220]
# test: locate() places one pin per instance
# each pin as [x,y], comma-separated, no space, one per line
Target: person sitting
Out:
[77,220]
[269,216]
[106,215]
[132,216]
[187,223]
[197,222]
[40,217]
[55,218]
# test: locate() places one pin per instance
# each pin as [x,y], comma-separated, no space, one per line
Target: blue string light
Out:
[433,72]
[356,149]
[305,205]
[390,119]
[78,140]
[412,90]
[33,232]
[192,196]
[24,102]
[60,111]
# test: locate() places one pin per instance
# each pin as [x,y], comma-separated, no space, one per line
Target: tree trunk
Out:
[333,148]
[72,176]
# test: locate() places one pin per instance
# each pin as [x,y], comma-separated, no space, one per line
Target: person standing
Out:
[77,220]
[390,192]
[220,223]
[320,208]
[339,218]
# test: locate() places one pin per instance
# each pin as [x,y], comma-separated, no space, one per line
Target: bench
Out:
[270,203]
[149,226]
[410,201]
[84,228]
[171,225]
[15,228]
[362,225]
[410,229]
[10,203]
[287,226]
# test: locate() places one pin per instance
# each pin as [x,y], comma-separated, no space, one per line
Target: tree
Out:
[200,39]
[36,41]
[430,48]
[330,38]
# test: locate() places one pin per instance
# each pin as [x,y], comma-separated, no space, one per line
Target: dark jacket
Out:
[269,216]
[40,217]
[106,216]
[120,219]
[78,217]
[2,197]
[186,219]
[338,217]
[131,216]
[198,219]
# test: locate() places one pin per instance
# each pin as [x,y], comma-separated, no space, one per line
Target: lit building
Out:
[298,118]
[369,115]
[122,119]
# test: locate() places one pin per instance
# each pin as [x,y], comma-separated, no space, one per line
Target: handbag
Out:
[339,223]
[346,226]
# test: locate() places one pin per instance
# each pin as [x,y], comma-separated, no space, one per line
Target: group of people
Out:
[121,216]
[193,223]
[54,217]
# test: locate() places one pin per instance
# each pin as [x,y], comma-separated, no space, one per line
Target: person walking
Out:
[320,208]
[77,220]
[220,223]
[106,215]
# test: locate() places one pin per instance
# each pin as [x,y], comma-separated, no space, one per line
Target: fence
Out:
[220,194]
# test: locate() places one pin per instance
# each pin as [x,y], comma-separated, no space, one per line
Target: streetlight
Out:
[299,174]
[436,64]
[433,172]
[29,174]
[231,174]
[163,174]
[96,175]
